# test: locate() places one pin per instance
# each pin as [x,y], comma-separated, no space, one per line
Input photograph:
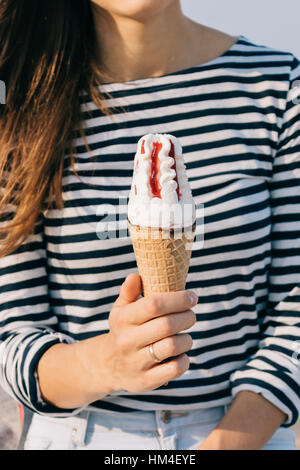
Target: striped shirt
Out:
[237,118]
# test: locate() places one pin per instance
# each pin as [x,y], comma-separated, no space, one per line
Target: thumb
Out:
[131,289]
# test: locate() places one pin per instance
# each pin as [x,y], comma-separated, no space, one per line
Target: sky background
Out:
[273,23]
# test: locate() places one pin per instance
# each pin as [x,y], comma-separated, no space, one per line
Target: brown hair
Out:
[47,57]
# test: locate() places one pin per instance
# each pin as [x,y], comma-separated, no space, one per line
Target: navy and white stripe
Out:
[237,118]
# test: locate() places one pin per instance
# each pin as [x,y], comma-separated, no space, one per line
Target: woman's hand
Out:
[74,375]
[135,324]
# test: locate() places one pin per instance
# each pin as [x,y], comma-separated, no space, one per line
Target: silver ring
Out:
[152,354]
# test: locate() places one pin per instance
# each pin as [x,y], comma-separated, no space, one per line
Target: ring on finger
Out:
[152,354]
[155,358]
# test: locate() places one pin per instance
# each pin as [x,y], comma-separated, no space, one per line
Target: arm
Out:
[54,375]
[267,388]
[28,326]
[248,425]
[67,375]
[78,374]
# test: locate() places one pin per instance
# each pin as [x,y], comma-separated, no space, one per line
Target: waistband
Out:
[160,421]
[149,420]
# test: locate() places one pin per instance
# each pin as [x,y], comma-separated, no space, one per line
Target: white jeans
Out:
[149,430]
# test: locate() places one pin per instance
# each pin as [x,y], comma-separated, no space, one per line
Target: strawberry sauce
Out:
[154,170]
[155,163]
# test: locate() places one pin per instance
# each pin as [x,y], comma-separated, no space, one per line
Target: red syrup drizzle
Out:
[172,155]
[155,164]
[153,181]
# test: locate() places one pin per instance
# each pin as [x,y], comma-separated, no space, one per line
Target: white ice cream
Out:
[162,207]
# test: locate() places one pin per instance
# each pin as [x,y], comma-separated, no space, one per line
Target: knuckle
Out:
[183,299]
[187,341]
[112,316]
[171,346]
[180,365]
[175,369]
[165,325]
[122,344]
[187,298]
[116,318]
[186,362]
[152,305]
[191,318]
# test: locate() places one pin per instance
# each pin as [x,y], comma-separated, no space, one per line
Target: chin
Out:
[136,9]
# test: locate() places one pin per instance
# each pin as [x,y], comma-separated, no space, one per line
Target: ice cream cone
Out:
[163,257]
[161,214]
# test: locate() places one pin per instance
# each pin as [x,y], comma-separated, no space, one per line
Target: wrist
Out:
[96,374]
[74,375]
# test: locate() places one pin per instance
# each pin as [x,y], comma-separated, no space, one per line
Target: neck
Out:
[130,49]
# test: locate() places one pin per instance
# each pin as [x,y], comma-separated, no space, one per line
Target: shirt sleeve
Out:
[274,370]
[28,327]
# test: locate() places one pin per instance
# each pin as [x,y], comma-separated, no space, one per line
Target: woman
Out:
[85,80]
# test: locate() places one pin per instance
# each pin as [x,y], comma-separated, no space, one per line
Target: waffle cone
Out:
[163,257]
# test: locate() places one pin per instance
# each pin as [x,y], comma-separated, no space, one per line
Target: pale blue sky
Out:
[274,23]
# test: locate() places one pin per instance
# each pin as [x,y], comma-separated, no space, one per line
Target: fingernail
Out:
[193,297]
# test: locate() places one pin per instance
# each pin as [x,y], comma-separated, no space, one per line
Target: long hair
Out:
[47,57]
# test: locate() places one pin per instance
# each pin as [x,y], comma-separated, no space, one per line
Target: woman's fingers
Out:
[163,327]
[136,324]
[160,374]
[167,348]
[156,305]
[130,290]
